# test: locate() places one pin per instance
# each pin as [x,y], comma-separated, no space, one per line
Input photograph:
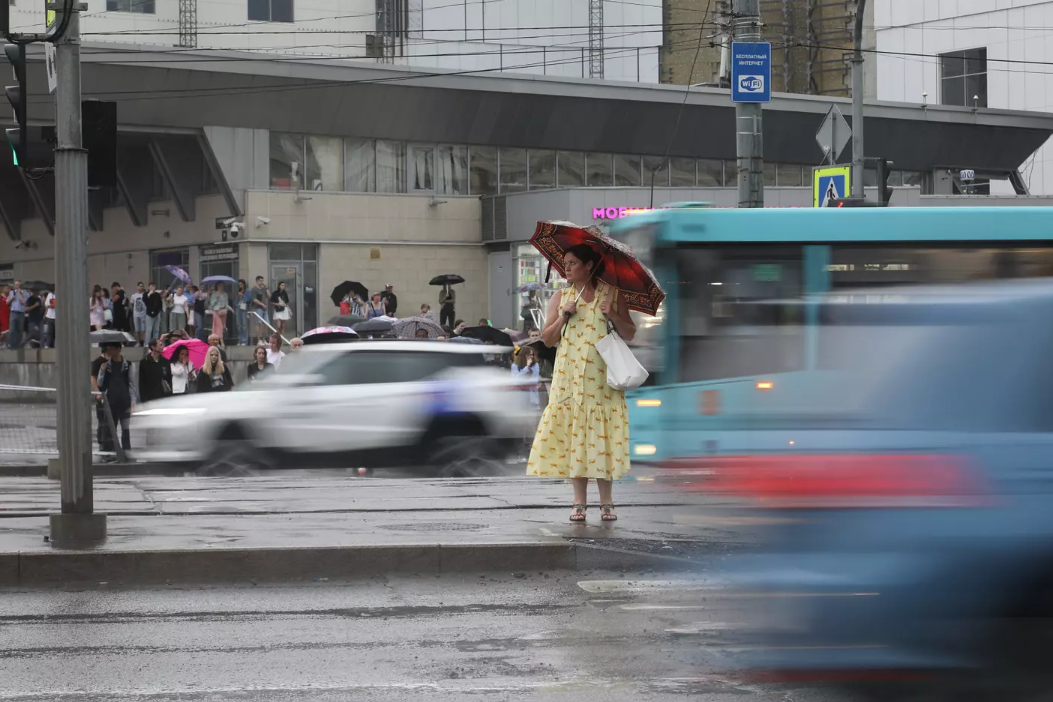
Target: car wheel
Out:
[462,457]
[233,456]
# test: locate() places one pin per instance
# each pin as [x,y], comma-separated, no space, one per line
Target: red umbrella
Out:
[621,270]
[196,347]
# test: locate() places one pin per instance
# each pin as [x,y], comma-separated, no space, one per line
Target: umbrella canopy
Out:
[622,270]
[219,279]
[466,340]
[374,328]
[38,285]
[407,328]
[485,334]
[516,336]
[345,320]
[196,347]
[328,335]
[179,273]
[349,286]
[447,279]
[529,287]
[109,336]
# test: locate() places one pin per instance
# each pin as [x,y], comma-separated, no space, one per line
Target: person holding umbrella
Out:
[155,373]
[218,303]
[584,431]
[447,298]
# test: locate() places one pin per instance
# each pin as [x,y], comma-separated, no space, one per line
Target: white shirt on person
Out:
[275,358]
[49,306]
[179,304]
[181,377]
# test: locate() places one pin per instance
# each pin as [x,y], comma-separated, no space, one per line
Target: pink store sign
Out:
[606,213]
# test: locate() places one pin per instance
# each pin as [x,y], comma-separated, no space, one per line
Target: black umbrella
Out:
[346,320]
[38,285]
[496,336]
[374,328]
[543,352]
[349,286]
[109,337]
[447,279]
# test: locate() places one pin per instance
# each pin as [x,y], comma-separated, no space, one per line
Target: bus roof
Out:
[849,225]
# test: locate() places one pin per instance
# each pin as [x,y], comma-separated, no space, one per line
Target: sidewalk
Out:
[177,530]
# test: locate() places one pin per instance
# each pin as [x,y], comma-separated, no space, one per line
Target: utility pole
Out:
[748,115]
[77,523]
[858,154]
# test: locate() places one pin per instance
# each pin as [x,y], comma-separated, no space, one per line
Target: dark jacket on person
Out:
[155,378]
[120,310]
[115,382]
[255,371]
[391,300]
[209,383]
[154,303]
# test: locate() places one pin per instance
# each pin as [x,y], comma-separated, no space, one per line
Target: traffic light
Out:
[17,96]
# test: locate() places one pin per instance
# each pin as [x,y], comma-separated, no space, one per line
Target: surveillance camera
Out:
[236,229]
[261,221]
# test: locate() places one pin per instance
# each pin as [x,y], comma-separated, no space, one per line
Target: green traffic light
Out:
[14,155]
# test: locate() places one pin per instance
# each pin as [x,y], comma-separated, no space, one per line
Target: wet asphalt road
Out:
[582,637]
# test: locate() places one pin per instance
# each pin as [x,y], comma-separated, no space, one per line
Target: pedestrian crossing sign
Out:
[830,183]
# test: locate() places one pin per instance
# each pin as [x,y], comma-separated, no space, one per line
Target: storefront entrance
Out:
[296,265]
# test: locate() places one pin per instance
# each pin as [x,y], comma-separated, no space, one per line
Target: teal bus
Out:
[741,329]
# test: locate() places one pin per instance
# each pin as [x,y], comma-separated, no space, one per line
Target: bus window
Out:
[870,266]
[739,311]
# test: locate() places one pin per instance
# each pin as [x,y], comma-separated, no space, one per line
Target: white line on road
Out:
[609,586]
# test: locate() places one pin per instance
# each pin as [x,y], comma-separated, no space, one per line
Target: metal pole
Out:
[749,125]
[77,521]
[858,154]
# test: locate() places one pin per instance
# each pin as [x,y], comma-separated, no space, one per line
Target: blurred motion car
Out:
[909,494]
[436,406]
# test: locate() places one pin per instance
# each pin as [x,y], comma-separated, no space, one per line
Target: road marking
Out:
[609,586]
[657,608]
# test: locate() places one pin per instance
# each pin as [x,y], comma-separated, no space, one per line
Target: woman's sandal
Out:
[607,513]
[577,513]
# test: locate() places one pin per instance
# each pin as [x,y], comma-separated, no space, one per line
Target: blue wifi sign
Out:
[750,71]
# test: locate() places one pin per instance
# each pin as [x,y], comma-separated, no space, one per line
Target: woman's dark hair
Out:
[587,254]
[97,290]
[241,281]
[181,351]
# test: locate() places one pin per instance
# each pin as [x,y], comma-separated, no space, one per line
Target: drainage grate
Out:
[433,526]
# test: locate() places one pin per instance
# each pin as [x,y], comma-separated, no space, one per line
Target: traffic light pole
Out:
[77,524]
[858,154]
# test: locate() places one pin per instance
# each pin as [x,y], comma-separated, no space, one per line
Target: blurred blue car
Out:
[912,557]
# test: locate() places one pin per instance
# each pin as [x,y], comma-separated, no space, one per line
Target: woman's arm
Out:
[555,318]
[623,323]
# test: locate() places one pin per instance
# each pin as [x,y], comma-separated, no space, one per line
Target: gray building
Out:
[384,175]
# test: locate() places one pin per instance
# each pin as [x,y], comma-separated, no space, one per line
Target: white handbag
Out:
[624,372]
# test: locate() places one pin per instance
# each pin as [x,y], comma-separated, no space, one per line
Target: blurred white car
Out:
[363,404]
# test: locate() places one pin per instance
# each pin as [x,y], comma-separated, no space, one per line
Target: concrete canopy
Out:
[172,89]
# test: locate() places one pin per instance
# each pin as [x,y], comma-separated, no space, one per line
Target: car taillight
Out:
[846,480]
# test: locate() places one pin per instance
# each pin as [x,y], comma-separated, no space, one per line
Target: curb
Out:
[276,565]
[99,470]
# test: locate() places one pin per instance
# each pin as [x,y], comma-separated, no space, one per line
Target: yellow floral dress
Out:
[584,431]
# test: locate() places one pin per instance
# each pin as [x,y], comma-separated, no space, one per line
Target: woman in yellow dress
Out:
[584,431]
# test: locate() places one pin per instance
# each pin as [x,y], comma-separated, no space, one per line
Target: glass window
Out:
[391,167]
[963,77]
[360,164]
[325,163]
[286,161]
[627,171]
[372,367]
[513,165]
[452,170]
[421,168]
[268,10]
[146,7]
[483,170]
[711,173]
[542,169]
[769,175]
[682,172]
[789,175]
[571,165]
[730,327]
[659,168]
[600,170]
[285,252]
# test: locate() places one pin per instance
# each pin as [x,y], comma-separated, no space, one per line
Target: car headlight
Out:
[170,412]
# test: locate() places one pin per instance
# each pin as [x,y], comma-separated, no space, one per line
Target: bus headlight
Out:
[645,449]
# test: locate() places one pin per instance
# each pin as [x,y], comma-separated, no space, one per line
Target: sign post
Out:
[750,89]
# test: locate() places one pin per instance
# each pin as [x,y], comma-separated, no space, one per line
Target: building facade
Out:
[975,55]
[544,37]
[377,174]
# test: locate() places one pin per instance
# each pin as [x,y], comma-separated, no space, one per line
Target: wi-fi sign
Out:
[751,84]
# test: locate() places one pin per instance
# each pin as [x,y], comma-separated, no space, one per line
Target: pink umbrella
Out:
[197,348]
